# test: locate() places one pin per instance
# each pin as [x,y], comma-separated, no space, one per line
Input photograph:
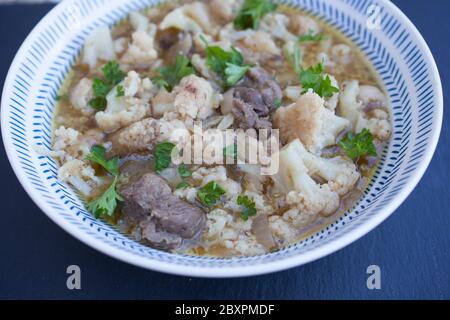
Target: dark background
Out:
[412,247]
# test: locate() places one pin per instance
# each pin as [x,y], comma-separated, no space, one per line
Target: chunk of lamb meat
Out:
[166,222]
[254,98]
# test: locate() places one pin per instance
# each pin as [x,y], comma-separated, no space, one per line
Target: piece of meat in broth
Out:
[166,221]
[254,98]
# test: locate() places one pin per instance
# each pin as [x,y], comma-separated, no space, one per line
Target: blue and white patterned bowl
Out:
[397,51]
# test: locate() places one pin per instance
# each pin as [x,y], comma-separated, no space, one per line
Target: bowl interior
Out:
[397,52]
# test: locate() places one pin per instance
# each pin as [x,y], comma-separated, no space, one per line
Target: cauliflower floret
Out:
[179,20]
[342,54]
[139,21]
[195,98]
[277,25]
[262,42]
[206,175]
[145,134]
[190,194]
[73,143]
[293,93]
[300,25]
[80,175]
[309,120]
[142,48]
[223,9]
[200,13]
[98,46]
[281,229]
[80,95]
[352,108]
[310,197]
[127,109]
[339,172]
[234,234]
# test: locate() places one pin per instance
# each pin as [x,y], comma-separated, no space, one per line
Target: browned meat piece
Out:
[165,220]
[255,98]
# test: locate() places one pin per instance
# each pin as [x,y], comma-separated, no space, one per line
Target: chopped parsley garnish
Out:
[112,75]
[277,103]
[170,76]
[251,13]
[210,193]
[230,151]
[227,64]
[106,203]
[183,171]
[62,97]
[248,207]
[313,78]
[311,37]
[163,155]
[358,145]
[183,185]
[97,155]
[120,91]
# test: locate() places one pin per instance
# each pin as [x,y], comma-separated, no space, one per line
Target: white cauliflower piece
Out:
[206,175]
[300,25]
[195,98]
[261,42]
[281,230]
[142,48]
[309,120]
[73,143]
[223,10]
[98,46]
[179,20]
[233,234]
[79,175]
[342,54]
[310,197]
[340,173]
[351,107]
[80,95]
[277,25]
[125,110]
[139,21]
[200,13]
[190,194]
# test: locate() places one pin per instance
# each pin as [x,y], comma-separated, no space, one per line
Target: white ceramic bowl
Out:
[397,51]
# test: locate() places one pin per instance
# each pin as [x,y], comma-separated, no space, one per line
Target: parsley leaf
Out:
[358,145]
[313,78]
[230,151]
[184,171]
[210,193]
[234,73]
[112,75]
[248,205]
[228,64]
[106,203]
[311,37]
[251,13]
[183,185]
[97,155]
[170,76]
[277,103]
[120,91]
[163,155]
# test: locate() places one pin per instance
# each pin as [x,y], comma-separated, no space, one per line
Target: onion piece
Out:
[262,232]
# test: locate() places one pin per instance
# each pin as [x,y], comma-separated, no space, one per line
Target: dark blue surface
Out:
[412,247]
